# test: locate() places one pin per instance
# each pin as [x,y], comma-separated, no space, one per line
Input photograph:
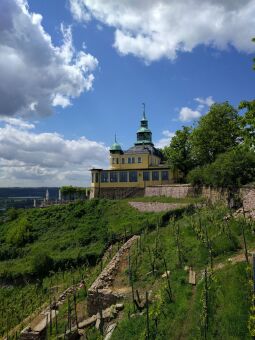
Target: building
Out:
[132,170]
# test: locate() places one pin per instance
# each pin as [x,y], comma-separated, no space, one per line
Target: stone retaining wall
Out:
[245,193]
[175,190]
[100,294]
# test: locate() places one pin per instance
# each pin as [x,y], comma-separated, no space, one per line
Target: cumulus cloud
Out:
[187,114]
[35,159]
[152,29]
[204,101]
[36,74]
[165,141]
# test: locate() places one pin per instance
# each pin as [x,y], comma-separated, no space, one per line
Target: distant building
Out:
[132,170]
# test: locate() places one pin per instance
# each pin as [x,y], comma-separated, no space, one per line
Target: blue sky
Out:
[178,71]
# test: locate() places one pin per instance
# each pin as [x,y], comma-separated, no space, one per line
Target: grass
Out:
[165,199]
[78,233]
[229,291]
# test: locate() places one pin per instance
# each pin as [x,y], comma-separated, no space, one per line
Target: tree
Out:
[178,153]
[216,132]
[230,170]
[248,122]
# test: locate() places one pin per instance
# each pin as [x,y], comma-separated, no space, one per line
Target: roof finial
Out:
[144,117]
[115,137]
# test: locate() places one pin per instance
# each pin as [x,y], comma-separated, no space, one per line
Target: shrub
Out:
[42,263]
[231,169]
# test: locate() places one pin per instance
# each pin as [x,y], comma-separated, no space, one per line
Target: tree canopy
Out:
[178,154]
[215,133]
[230,169]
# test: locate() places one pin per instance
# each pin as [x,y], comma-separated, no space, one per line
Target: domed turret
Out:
[116,148]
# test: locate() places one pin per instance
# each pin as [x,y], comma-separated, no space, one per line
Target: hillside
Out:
[44,251]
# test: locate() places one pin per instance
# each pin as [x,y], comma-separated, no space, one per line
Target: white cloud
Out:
[205,101]
[35,159]
[187,114]
[36,74]
[17,122]
[152,29]
[165,141]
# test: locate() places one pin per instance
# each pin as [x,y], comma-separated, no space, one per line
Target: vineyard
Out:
[45,251]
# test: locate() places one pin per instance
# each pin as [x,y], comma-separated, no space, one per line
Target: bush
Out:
[42,264]
[20,233]
[230,170]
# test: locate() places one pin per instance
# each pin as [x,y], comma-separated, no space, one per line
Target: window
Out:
[123,176]
[129,160]
[164,175]
[155,175]
[113,161]
[104,176]
[123,160]
[132,176]
[93,177]
[113,176]
[146,175]
[133,160]
[139,160]
[117,160]
[96,177]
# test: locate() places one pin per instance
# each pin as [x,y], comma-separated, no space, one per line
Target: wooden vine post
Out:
[169,290]
[244,240]
[75,308]
[206,305]
[131,278]
[147,318]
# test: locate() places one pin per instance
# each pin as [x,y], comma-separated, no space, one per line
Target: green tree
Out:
[216,133]
[178,153]
[230,170]
[248,122]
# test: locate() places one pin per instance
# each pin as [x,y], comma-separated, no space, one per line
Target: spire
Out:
[115,138]
[144,116]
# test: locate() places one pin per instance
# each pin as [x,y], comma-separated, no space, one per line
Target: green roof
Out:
[115,147]
[143,129]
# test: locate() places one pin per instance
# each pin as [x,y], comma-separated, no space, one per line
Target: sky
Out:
[75,72]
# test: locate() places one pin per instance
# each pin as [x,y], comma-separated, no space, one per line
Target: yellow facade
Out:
[133,161]
[138,167]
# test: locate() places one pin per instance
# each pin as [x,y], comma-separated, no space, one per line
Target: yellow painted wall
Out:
[140,182]
[146,161]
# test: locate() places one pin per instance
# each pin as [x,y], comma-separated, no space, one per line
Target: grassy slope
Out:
[229,292]
[69,232]
[73,233]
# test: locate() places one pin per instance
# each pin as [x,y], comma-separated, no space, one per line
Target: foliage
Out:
[71,193]
[216,133]
[42,263]
[178,153]
[71,234]
[228,293]
[20,232]
[248,122]
[231,169]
